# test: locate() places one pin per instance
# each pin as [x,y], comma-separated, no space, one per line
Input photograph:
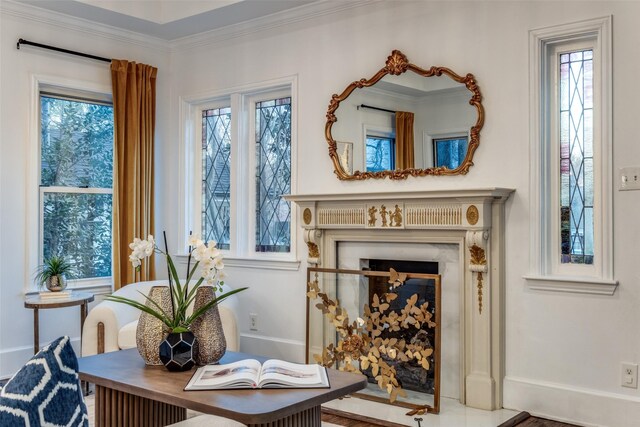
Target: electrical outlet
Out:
[253,321]
[629,178]
[629,377]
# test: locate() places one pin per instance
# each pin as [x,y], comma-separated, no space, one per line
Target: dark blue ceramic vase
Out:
[178,351]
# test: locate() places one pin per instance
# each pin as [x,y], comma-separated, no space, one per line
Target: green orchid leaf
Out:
[194,289]
[212,303]
[164,313]
[193,270]
[141,307]
[178,291]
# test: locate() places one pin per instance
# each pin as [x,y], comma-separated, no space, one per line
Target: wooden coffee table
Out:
[129,393]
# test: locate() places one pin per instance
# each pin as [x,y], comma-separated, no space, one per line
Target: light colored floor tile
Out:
[452,413]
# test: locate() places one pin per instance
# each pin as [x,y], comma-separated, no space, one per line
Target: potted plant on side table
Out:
[52,273]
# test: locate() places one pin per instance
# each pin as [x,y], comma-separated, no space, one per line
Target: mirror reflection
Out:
[407,122]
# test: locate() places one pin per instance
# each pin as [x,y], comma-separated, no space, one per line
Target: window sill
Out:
[96,287]
[259,263]
[570,284]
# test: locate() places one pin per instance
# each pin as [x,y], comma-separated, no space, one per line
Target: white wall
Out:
[568,345]
[17,70]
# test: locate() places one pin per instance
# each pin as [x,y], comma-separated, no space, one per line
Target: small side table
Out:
[36,303]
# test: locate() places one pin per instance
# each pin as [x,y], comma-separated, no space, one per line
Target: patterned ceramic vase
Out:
[151,331]
[178,351]
[208,329]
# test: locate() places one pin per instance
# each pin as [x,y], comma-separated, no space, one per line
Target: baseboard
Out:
[277,348]
[14,358]
[559,402]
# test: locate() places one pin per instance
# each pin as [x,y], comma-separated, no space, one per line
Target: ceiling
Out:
[168,19]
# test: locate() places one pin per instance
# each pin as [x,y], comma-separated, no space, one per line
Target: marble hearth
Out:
[471,220]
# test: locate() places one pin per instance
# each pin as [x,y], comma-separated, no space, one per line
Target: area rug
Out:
[524,419]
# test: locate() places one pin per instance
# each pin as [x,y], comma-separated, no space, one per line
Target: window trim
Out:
[72,87]
[544,273]
[188,156]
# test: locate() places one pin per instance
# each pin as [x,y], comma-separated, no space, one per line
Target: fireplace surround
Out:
[471,218]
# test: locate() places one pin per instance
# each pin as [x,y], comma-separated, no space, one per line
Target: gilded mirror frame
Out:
[396,64]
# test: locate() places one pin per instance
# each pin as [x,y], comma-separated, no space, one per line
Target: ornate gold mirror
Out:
[405,121]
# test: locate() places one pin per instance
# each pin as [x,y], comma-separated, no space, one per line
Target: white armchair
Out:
[111,326]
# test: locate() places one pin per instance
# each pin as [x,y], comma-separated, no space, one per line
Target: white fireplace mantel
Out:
[475,214]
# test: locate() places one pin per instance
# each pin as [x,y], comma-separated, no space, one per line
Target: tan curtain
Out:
[134,111]
[405,158]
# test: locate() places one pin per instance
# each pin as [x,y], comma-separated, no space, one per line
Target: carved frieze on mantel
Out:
[464,210]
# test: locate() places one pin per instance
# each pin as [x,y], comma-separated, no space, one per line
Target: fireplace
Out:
[467,225]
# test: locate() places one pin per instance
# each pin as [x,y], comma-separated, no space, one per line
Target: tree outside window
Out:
[76,180]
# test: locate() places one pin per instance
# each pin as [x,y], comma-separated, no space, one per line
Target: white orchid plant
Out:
[207,256]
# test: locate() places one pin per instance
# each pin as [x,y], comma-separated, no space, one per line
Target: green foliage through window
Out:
[273,175]
[76,169]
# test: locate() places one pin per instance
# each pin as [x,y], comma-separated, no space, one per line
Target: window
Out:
[380,153]
[273,175]
[450,151]
[76,179]
[216,175]
[244,149]
[575,134]
[571,240]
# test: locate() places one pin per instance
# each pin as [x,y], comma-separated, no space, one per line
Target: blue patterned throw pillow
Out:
[46,391]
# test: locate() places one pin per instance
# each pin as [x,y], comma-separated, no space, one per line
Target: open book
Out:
[249,373]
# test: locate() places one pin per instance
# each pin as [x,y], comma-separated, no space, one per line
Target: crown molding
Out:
[68,23]
[266,23]
[221,35]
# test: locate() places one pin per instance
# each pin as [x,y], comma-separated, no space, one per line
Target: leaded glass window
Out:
[450,151]
[273,175]
[216,175]
[576,157]
[76,179]
[380,153]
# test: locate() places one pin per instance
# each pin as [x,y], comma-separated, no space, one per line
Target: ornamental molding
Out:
[441,209]
[312,239]
[477,244]
[90,28]
[466,210]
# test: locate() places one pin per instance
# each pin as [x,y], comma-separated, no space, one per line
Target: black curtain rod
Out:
[375,108]
[59,49]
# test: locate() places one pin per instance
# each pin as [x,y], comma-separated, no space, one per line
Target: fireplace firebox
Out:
[385,324]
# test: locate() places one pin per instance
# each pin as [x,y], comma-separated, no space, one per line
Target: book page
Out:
[243,373]
[279,372]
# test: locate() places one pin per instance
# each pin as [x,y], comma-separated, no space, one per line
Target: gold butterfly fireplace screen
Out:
[385,325]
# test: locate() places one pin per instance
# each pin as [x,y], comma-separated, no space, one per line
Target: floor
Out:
[452,414]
